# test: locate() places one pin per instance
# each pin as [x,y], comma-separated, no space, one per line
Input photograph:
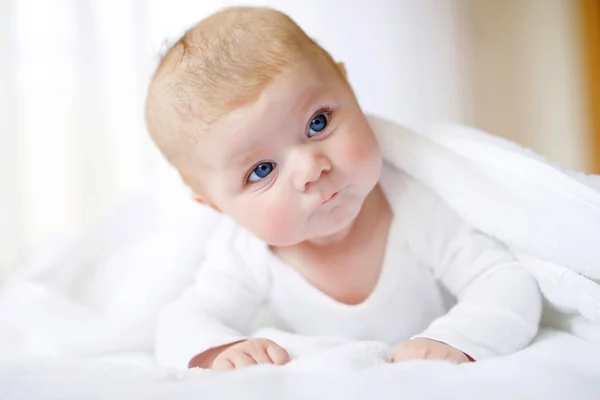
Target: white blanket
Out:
[556,367]
[550,217]
[97,298]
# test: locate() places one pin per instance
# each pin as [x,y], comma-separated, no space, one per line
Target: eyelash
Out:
[246,180]
[322,110]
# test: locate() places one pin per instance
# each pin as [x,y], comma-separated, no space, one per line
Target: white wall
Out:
[11,215]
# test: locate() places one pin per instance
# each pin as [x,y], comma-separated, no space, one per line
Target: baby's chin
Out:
[334,229]
[327,232]
[334,235]
[328,225]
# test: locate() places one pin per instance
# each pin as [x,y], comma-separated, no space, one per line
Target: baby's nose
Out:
[312,169]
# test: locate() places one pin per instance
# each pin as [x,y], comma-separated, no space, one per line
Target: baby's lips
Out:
[330,197]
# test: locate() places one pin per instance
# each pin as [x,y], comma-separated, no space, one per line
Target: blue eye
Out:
[317,124]
[261,171]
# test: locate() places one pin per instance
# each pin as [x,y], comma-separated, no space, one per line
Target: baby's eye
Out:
[318,123]
[261,171]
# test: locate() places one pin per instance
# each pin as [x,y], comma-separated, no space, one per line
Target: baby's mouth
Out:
[330,197]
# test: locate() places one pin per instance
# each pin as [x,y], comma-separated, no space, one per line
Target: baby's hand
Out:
[427,349]
[250,352]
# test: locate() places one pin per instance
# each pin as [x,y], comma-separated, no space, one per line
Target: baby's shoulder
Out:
[424,217]
[407,195]
[228,236]
[233,247]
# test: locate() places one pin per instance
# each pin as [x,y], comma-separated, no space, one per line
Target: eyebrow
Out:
[244,157]
[308,98]
[241,158]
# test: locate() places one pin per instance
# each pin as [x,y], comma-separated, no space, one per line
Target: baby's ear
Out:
[199,199]
[342,67]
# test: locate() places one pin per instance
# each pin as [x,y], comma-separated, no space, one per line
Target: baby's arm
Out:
[499,303]
[204,327]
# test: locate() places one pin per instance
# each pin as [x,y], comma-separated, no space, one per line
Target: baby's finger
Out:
[407,353]
[438,355]
[241,360]
[400,356]
[458,358]
[260,356]
[278,354]
[222,364]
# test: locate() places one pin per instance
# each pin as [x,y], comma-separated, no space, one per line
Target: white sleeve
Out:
[228,290]
[498,303]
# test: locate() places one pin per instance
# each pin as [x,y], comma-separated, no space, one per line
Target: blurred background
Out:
[73,77]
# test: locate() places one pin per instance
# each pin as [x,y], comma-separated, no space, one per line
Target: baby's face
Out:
[295,165]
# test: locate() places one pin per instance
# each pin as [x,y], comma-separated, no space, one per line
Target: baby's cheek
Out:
[282,224]
[357,152]
[275,223]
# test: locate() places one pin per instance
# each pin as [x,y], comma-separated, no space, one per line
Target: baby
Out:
[263,126]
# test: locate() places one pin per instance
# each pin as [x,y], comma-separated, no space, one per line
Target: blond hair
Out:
[222,63]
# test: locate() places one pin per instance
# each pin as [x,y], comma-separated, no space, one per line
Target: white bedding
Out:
[557,366]
[96,299]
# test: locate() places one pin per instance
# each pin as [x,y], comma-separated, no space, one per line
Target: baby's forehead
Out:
[222,63]
[291,95]
[285,103]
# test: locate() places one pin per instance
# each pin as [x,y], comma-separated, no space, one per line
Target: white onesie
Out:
[432,260]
